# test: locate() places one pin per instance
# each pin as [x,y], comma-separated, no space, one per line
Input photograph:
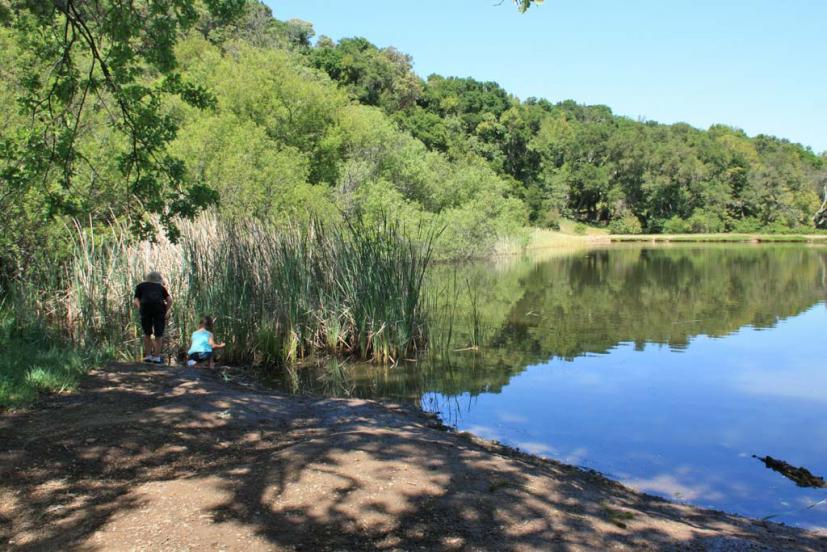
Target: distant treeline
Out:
[584,162]
[292,128]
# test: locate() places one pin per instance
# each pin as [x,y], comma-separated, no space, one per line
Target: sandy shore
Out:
[145,458]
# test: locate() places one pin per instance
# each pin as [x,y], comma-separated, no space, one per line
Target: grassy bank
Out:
[33,361]
[569,235]
[572,235]
[721,238]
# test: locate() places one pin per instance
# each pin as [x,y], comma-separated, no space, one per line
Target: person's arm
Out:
[215,345]
[136,300]
[167,301]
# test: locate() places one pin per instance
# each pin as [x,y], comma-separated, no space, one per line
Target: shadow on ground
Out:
[149,458]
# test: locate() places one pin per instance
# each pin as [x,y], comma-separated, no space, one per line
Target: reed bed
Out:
[278,295]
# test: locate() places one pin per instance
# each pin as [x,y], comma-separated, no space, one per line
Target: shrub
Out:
[551,219]
[703,222]
[627,224]
[675,225]
[747,225]
[580,229]
[778,227]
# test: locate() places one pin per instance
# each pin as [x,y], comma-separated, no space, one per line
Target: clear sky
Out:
[760,65]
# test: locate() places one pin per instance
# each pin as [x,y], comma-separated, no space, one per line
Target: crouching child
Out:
[203,343]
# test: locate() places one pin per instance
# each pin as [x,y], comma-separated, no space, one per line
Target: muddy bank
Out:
[179,459]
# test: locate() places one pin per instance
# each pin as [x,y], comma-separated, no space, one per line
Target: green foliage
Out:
[580,229]
[551,219]
[76,60]
[704,222]
[34,361]
[676,225]
[523,5]
[375,77]
[747,225]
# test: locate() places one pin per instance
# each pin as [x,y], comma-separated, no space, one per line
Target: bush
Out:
[675,225]
[747,225]
[627,224]
[778,228]
[580,229]
[703,222]
[551,219]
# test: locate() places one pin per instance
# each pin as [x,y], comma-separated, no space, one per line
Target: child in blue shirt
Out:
[203,343]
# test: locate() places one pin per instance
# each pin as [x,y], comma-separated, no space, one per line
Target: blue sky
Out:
[760,65]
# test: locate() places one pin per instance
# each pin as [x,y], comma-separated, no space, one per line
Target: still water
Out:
[666,368]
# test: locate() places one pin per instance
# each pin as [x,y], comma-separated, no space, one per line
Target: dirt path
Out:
[145,458]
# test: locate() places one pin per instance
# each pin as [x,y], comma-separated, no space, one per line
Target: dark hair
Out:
[207,322]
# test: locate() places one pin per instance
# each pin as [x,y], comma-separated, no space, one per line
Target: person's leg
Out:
[158,345]
[147,346]
[146,328]
[158,328]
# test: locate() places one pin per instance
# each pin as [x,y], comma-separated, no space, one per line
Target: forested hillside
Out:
[280,125]
[585,163]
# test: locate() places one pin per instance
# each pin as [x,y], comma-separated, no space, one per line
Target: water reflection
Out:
[664,367]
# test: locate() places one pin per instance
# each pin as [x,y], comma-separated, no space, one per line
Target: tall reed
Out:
[278,295]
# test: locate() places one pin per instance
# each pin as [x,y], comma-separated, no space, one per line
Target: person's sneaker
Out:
[158,360]
[149,359]
[190,363]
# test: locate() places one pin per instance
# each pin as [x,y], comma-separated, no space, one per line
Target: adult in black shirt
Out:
[153,301]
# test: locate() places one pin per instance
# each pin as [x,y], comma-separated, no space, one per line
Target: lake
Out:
[664,367]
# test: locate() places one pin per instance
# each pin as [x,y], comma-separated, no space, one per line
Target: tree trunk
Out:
[820,218]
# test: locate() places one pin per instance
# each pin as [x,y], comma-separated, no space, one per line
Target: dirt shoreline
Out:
[151,458]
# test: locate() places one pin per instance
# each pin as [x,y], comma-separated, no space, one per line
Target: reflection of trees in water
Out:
[591,301]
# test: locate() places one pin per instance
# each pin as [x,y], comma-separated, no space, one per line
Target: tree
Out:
[523,5]
[112,57]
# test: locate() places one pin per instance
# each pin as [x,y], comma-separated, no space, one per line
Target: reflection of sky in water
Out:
[680,424]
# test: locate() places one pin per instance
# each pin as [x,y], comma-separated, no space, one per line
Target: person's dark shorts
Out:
[200,357]
[153,319]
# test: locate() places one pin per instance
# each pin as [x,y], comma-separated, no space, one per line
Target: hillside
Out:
[291,128]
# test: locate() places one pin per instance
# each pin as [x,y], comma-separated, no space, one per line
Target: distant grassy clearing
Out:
[571,235]
[721,238]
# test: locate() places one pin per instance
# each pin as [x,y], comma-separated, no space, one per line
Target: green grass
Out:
[571,235]
[32,362]
[722,238]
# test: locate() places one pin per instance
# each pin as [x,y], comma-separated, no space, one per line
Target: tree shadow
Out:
[142,454]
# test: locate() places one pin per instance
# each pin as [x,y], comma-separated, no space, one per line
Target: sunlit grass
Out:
[722,238]
[33,362]
[571,235]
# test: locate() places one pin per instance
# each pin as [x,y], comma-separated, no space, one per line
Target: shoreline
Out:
[544,241]
[720,238]
[186,458]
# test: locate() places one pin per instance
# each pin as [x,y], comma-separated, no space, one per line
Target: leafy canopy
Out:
[110,57]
